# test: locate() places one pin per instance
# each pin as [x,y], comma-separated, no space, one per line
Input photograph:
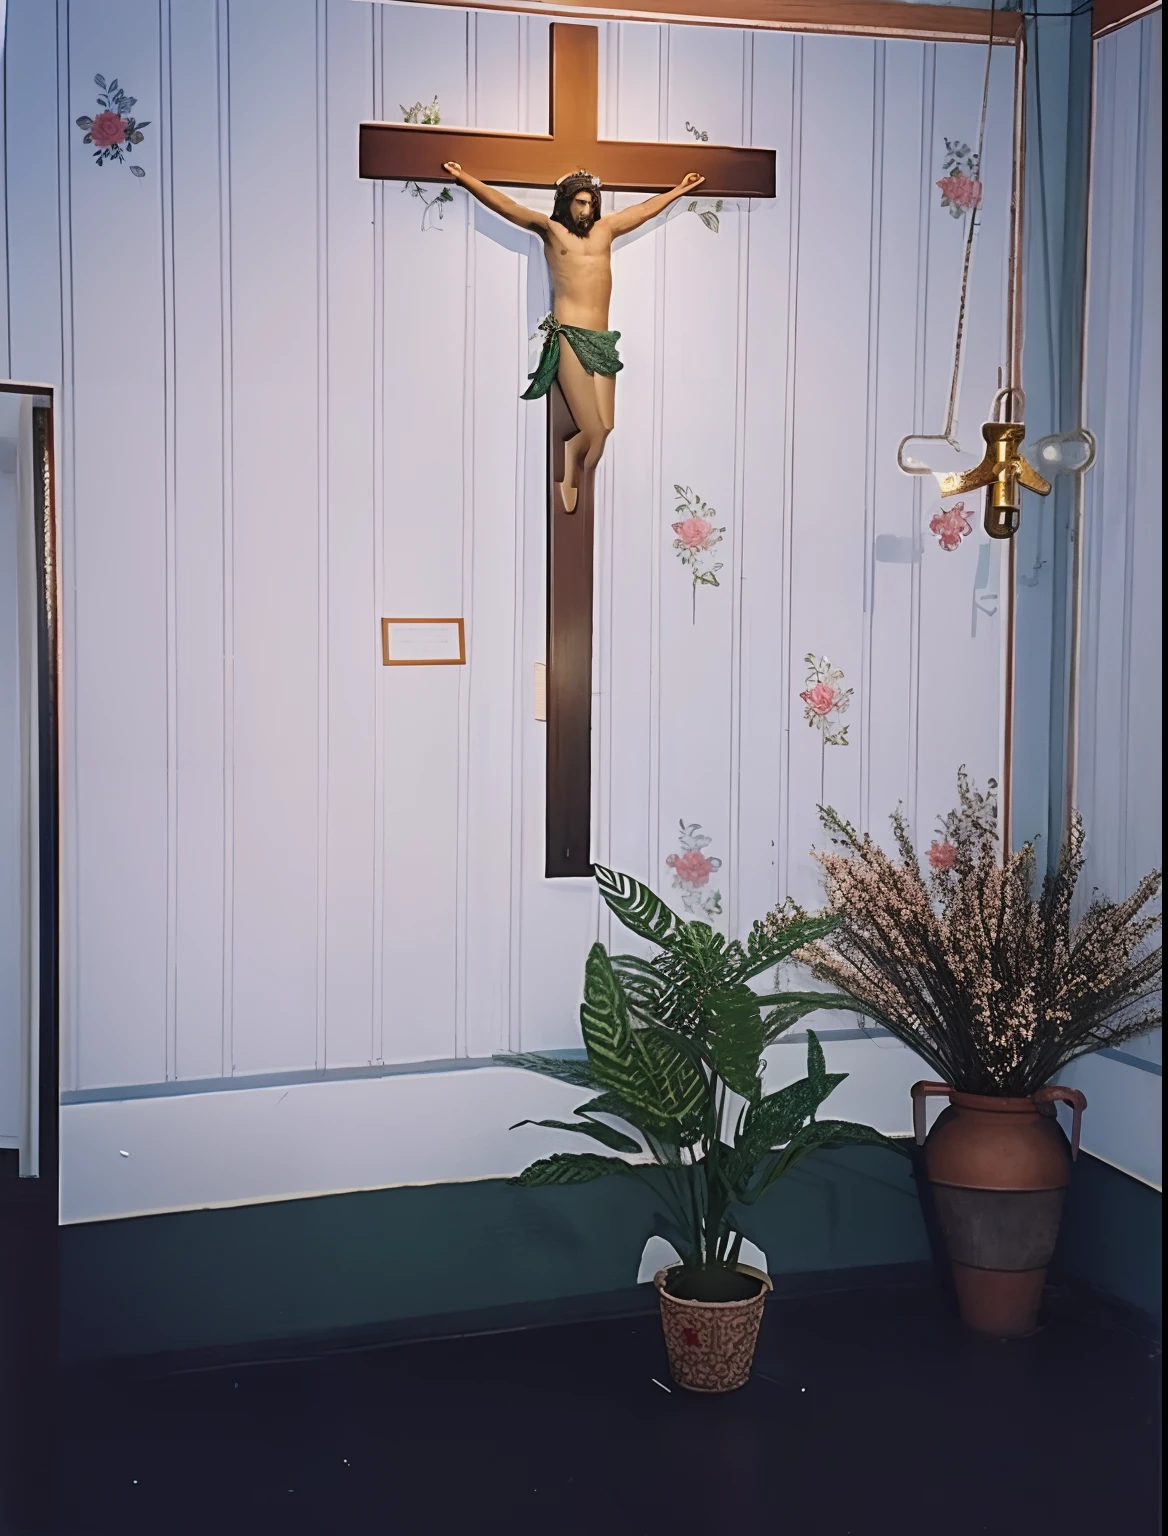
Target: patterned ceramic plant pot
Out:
[998,1172]
[711,1343]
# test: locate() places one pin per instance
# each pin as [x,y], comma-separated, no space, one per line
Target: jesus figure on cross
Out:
[577,240]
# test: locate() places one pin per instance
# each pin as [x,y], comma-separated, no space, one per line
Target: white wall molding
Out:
[138,1156]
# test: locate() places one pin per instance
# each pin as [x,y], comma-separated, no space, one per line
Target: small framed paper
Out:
[423,643]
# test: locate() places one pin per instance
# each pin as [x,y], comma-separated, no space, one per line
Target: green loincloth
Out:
[595,349]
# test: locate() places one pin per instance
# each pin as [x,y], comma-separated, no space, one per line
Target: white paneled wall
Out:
[11,1001]
[1120,724]
[288,408]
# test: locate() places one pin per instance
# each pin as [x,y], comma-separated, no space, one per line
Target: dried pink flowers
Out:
[992,985]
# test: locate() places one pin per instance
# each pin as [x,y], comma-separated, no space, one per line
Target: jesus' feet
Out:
[567,496]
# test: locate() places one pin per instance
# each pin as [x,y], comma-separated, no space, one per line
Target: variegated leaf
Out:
[607,1135]
[735,1036]
[570,1168]
[767,947]
[644,913]
[579,1073]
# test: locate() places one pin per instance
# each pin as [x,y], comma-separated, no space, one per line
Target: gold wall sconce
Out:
[1001,473]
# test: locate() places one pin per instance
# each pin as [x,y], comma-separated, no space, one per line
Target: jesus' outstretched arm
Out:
[626,219]
[498,202]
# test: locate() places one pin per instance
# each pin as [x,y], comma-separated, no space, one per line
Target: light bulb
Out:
[1065,453]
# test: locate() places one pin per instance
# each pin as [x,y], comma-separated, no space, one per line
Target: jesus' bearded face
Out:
[582,212]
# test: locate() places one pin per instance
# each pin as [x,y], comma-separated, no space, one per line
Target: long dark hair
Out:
[566,191]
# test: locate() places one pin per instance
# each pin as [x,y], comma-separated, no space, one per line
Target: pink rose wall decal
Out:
[692,869]
[951,526]
[114,131]
[960,185]
[825,699]
[696,538]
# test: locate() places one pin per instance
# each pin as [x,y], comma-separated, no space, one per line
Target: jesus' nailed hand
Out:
[577,240]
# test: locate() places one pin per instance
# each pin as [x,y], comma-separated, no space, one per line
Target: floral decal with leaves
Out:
[709,210]
[960,185]
[951,525]
[825,699]
[114,131]
[692,870]
[427,114]
[696,538]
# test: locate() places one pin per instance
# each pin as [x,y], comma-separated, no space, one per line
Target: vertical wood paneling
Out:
[771,324]
[37,256]
[1119,787]
[4,350]
[119,546]
[887,708]
[347,858]
[425,54]
[1120,722]
[32,118]
[200,550]
[701,365]
[499,339]
[275,554]
[354,671]
[829,450]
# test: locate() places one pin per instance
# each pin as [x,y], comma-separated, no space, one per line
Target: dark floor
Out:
[867,1413]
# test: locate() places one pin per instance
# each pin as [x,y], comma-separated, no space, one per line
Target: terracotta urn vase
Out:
[998,1170]
[711,1343]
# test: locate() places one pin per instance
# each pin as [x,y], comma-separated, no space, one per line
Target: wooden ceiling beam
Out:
[1108,15]
[865,18]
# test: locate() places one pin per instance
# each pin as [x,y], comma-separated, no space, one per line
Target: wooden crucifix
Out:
[579,362]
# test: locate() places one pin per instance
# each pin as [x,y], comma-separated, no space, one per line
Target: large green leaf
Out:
[637,907]
[608,1035]
[847,1133]
[679,1089]
[767,947]
[608,1135]
[571,1168]
[579,1073]
[646,1068]
[790,1007]
[734,1035]
[816,1061]
[701,949]
[822,1134]
[609,1104]
[644,986]
[774,1120]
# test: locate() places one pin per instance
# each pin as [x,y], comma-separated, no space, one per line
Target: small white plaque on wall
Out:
[423,642]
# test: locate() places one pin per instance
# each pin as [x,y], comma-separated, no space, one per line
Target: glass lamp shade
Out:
[1065,453]
[935,454]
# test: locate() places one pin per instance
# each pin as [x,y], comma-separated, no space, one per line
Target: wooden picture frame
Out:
[417,660]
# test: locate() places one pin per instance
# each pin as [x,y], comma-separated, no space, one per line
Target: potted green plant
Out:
[979,968]
[674,1065]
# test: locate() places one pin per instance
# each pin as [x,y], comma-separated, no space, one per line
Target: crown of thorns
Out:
[578,181]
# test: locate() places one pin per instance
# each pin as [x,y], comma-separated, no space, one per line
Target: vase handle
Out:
[1078,1103]
[920,1092]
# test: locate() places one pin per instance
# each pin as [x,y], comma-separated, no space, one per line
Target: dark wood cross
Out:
[416,152]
